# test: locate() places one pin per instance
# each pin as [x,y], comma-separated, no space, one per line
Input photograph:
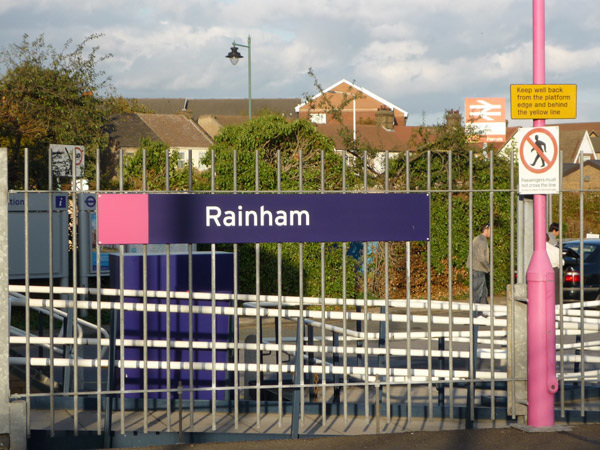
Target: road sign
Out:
[543,101]
[62,159]
[487,117]
[539,171]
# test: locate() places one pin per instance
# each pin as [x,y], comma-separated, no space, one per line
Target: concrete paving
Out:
[578,437]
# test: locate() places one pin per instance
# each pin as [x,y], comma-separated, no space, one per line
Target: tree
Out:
[52,97]
[285,149]
[450,153]
[154,172]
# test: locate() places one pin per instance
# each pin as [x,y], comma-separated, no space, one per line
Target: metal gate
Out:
[281,339]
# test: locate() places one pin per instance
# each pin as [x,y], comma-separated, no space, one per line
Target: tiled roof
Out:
[176,130]
[569,168]
[221,107]
[569,142]
[126,130]
[590,127]
[375,135]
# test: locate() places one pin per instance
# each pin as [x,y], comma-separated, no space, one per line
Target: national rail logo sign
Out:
[487,117]
[539,171]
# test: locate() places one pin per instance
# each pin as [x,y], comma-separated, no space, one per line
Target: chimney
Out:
[384,117]
[453,118]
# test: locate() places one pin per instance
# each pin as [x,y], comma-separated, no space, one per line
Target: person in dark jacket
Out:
[480,265]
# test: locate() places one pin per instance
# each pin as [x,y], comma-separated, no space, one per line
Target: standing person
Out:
[480,264]
[553,234]
[555,256]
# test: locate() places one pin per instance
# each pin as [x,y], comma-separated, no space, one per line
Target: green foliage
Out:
[154,171]
[53,97]
[270,137]
[290,156]
[448,154]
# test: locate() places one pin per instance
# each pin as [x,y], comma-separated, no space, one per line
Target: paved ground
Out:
[577,437]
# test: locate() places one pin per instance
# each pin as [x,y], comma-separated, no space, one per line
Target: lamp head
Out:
[234,56]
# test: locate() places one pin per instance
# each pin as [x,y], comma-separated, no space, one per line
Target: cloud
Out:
[421,55]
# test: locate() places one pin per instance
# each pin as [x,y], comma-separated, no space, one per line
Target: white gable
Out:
[360,89]
[585,150]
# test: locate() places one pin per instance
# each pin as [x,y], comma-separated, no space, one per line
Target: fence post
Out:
[12,420]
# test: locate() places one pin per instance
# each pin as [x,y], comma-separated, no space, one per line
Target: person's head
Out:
[553,228]
[485,230]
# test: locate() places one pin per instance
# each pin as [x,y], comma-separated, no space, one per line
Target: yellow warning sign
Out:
[543,101]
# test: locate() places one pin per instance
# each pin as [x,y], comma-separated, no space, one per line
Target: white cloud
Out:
[421,55]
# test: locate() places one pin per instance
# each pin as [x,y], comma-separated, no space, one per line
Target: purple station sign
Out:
[243,218]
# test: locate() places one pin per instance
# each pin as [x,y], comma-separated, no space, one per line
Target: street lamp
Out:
[234,56]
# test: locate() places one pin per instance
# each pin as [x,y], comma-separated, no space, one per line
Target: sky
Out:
[424,56]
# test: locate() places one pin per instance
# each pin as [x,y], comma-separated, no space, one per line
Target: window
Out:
[318,118]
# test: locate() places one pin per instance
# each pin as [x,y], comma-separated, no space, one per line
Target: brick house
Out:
[362,107]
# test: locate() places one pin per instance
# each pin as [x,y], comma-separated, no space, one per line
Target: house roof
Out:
[569,143]
[360,89]
[220,107]
[569,168]
[176,130]
[212,124]
[126,130]
[375,135]
[593,128]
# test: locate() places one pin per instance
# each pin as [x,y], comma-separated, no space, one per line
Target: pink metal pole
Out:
[541,344]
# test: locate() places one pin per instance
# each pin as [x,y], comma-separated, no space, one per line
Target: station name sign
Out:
[543,101]
[245,218]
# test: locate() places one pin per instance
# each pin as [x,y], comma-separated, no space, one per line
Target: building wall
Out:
[366,108]
[591,179]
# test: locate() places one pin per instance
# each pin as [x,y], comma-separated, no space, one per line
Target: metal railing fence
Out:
[399,336]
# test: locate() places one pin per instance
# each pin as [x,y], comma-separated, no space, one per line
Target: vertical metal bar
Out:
[51,292]
[473,345]
[27,307]
[5,305]
[98,312]
[344,305]
[145,304]
[581,285]
[213,304]
[511,316]
[75,299]
[191,329]
[298,403]
[279,329]
[408,309]
[121,314]
[366,300]
[560,291]
[323,294]
[213,316]
[122,336]
[236,379]
[429,318]
[388,399]
[169,395]
[300,350]
[492,315]
[450,293]
[258,318]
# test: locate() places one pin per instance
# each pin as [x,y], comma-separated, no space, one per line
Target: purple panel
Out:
[156,322]
[240,218]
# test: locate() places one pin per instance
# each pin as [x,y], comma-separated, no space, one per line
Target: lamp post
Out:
[234,56]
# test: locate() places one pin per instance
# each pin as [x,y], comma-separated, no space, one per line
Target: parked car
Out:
[572,269]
